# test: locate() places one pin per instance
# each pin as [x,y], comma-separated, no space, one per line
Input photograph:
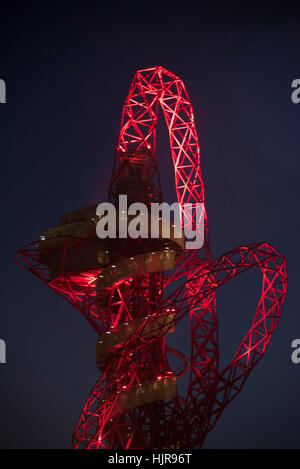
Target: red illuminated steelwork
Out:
[128,291]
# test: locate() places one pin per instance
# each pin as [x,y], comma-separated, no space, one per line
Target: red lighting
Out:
[135,354]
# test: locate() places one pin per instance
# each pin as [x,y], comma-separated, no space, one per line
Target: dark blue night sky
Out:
[68,67]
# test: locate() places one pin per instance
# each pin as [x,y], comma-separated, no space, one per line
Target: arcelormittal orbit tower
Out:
[135,291]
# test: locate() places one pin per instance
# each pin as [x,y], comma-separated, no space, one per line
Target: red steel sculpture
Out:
[134,291]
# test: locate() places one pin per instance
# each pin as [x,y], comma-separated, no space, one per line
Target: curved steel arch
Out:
[177,422]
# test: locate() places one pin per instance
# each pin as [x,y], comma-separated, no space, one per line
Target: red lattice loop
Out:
[134,403]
